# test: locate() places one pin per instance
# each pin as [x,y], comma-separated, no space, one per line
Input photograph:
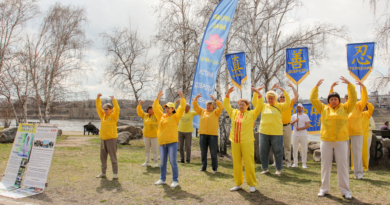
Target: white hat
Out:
[300,105]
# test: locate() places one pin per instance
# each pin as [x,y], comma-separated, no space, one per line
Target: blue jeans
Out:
[211,141]
[169,150]
[276,142]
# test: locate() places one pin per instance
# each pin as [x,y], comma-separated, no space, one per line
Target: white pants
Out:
[341,152]
[151,142]
[357,151]
[302,140]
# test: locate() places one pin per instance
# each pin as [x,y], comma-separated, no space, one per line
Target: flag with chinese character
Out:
[314,116]
[236,66]
[211,52]
[360,57]
[297,64]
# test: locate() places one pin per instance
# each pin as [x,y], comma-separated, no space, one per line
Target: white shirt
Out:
[301,123]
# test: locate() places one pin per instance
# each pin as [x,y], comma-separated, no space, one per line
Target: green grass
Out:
[72,181]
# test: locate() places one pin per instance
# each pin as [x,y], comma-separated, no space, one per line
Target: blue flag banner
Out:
[236,66]
[360,57]
[297,64]
[315,117]
[211,51]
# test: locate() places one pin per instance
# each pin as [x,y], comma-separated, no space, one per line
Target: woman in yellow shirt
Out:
[109,117]
[242,138]
[334,136]
[208,130]
[271,128]
[167,135]
[149,133]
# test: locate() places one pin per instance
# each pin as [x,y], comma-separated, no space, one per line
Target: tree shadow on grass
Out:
[376,182]
[107,185]
[341,200]
[285,178]
[218,175]
[178,194]
[257,198]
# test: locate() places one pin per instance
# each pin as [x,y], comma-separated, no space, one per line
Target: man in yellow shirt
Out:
[286,119]
[185,133]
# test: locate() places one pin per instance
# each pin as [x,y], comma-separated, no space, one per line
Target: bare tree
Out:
[6,114]
[129,70]
[7,90]
[13,16]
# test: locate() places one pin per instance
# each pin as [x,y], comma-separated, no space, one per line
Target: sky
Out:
[106,15]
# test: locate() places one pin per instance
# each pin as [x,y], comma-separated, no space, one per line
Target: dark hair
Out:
[244,101]
[333,94]
[387,122]
[149,107]
[108,105]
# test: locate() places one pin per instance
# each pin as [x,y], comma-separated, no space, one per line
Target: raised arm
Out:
[284,106]
[156,106]
[296,95]
[196,106]
[181,108]
[314,98]
[140,112]
[256,95]
[99,108]
[116,109]
[352,95]
[219,109]
[260,103]
[332,87]
[226,102]
[370,110]
[362,103]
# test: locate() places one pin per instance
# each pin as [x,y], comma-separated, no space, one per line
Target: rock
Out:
[8,135]
[59,132]
[119,123]
[126,128]
[311,148]
[124,138]
[317,155]
[138,133]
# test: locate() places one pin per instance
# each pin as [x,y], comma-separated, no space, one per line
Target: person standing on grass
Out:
[109,117]
[185,133]
[286,119]
[208,130]
[366,115]
[356,131]
[301,123]
[241,137]
[167,135]
[334,136]
[271,128]
[149,133]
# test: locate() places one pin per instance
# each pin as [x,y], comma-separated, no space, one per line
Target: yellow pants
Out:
[244,151]
[364,154]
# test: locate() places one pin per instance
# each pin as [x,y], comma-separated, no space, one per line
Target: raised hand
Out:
[289,84]
[212,97]
[198,96]
[278,87]
[320,82]
[260,88]
[359,83]
[274,86]
[334,84]
[230,91]
[160,94]
[99,95]
[344,80]
[256,90]
[180,93]
[142,101]
[177,101]
[112,97]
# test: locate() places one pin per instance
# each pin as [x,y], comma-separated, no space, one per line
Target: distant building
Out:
[378,100]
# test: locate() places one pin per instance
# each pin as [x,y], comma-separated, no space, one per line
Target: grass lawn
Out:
[72,181]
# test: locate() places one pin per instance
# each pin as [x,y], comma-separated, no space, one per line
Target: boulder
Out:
[8,135]
[119,123]
[59,132]
[317,155]
[138,133]
[124,138]
[311,148]
[126,128]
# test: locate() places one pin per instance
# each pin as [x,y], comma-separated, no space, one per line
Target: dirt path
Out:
[74,142]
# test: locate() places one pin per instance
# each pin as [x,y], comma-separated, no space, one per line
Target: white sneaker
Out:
[159,182]
[235,188]
[265,171]
[304,166]
[289,166]
[115,176]
[146,164]
[347,196]
[278,172]
[156,165]
[214,171]
[294,165]
[359,177]
[322,194]
[174,184]
[273,165]
[101,175]
[252,189]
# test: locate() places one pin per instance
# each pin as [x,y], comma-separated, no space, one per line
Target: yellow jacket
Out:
[355,117]
[371,127]
[334,122]
[108,123]
[242,123]
[271,116]
[185,124]
[167,125]
[150,123]
[286,115]
[209,121]
[366,115]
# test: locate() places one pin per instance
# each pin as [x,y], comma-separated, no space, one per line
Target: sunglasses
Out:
[281,97]
[105,109]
